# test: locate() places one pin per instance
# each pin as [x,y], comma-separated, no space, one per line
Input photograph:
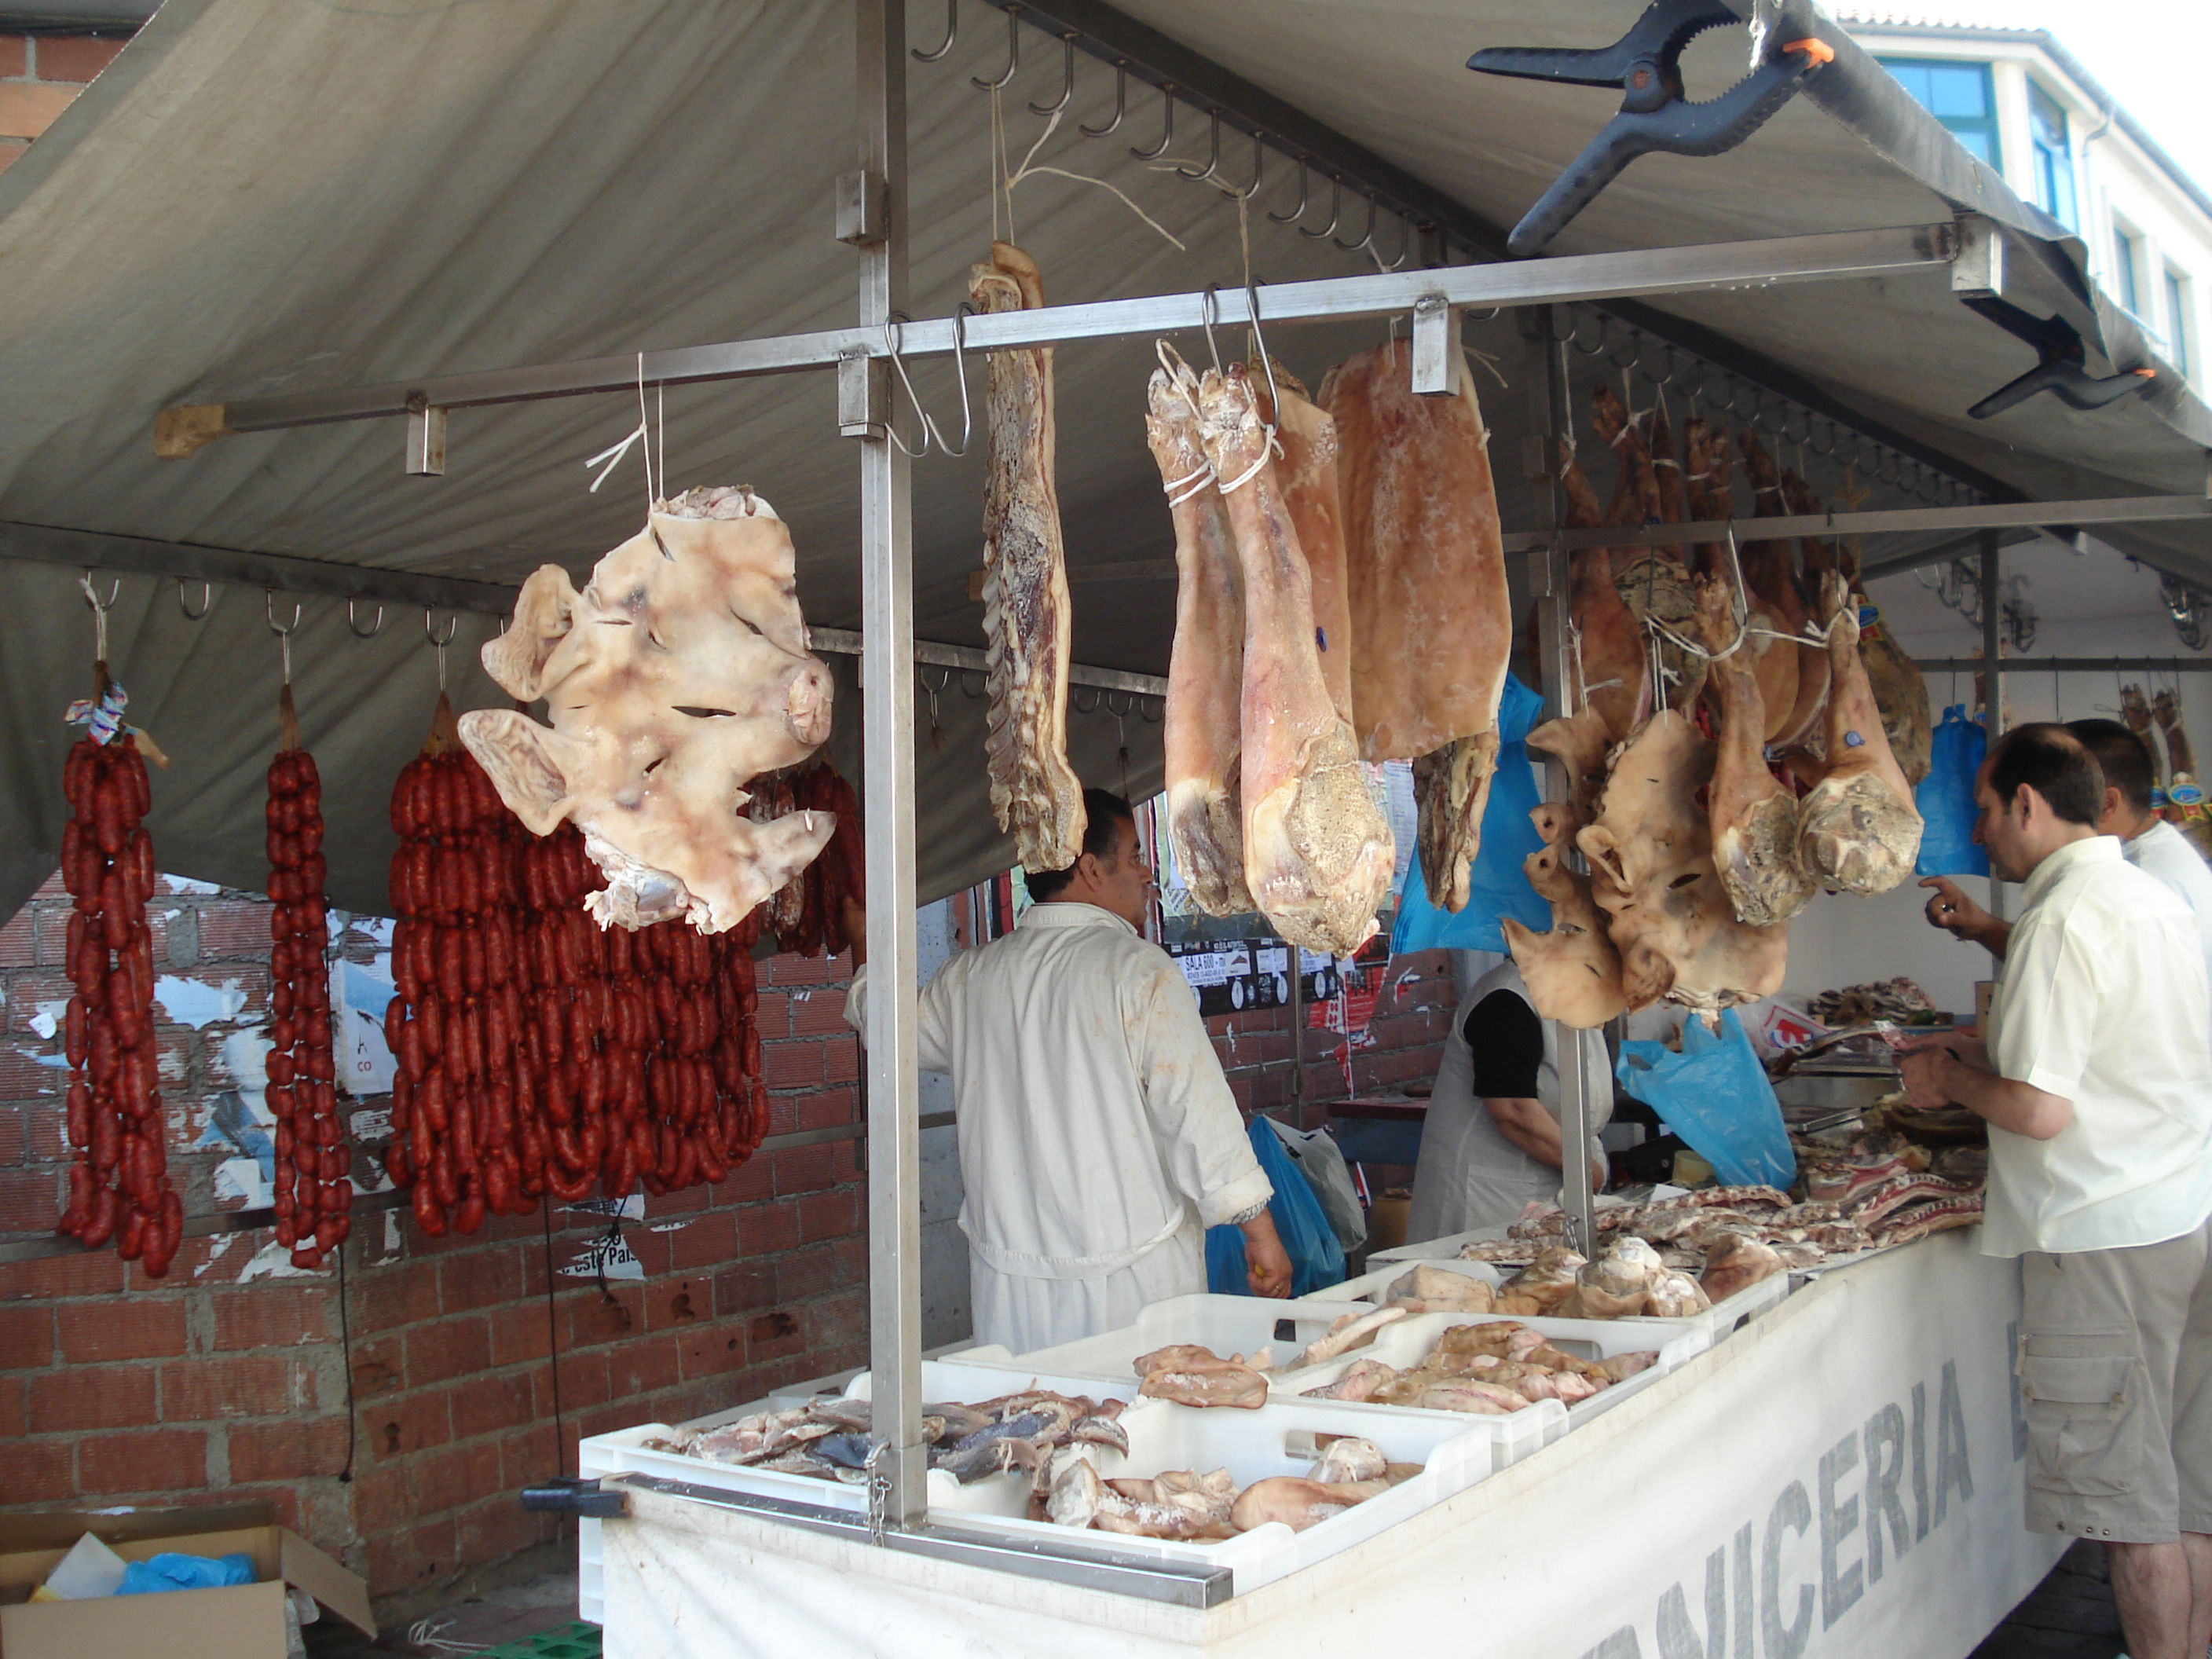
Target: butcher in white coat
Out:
[1098,1138]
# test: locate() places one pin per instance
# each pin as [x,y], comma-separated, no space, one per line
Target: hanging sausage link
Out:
[119,1185]
[314,1165]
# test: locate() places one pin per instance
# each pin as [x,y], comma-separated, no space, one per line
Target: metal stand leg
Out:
[1993,665]
[898,1492]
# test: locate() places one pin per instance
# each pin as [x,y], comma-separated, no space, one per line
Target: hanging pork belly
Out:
[679,674]
[1035,793]
[1201,733]
[1318,852]
[1431,622]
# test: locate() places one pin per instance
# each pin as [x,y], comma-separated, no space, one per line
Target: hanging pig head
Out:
[679,674]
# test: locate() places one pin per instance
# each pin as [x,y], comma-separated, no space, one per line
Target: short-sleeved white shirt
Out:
[2102,998]
[2163,851]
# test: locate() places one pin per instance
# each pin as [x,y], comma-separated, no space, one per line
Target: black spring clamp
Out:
[1646,64]
[2060,366]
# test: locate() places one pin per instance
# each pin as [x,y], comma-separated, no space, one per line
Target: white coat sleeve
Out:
[1200,1131]
[932,1040]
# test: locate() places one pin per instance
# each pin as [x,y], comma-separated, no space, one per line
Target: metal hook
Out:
[1013,54]
[1405,244]
[1604,333]
[1212,155]
[1066,80]
[355,627]
[1207,317]
[269,610]
[894,331]
[430,628]
[1167,126]
[1259,165]
[951,35]
[1267,358]
[1367,239]
[1121,101]
[100,606]
[1335,211]
[1306,183]
[207,600]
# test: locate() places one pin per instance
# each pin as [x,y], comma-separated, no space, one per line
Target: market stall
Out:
[1769,310]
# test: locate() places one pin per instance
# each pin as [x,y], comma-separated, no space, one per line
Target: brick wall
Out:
[39,76]
[231,1374]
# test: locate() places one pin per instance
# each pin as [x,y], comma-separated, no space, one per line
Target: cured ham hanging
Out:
[1035,793]
[1431,621]
[679,674]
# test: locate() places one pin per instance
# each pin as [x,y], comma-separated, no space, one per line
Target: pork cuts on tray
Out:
[1034,790]
[1318,852]
[680,673]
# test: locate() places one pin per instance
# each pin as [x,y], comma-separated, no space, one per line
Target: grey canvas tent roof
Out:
[261,196]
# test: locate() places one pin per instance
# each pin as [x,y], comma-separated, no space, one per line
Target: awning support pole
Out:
[1993,666]
[1547,380]
[898,1494]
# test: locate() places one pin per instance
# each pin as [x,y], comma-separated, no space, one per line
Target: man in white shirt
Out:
[2149,842]
[2094,1071]
[1098,1138]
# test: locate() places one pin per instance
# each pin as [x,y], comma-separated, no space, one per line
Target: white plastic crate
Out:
[1718,1320]
[1282,1437]
[623,1452]
[1405,1343]
[1227,1324]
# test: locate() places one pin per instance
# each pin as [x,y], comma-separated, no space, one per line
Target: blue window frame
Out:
[2054,157]
[1957,94]
[2177,319]
[2127,254]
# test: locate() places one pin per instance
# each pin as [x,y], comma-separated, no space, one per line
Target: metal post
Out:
[898,1497]
[1993,667]
[1550,578]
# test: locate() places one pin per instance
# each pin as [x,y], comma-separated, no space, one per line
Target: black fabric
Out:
[1507,1041]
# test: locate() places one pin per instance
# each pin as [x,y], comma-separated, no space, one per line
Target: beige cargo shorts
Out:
[2115,1370]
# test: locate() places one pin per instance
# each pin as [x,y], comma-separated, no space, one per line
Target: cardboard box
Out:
[239,1621]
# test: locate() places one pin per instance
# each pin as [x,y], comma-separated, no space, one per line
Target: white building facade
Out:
[2017,99]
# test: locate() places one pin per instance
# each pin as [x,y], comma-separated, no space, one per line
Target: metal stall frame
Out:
[871,218]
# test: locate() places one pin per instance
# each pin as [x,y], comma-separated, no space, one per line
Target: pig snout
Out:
[807,699]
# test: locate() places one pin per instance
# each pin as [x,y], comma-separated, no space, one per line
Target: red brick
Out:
[490,1405]
[454,1477]
[74,57]
[678,1304]
[91,1397]
[829,1215]
[38,1472]
[19,938]
[143,1328]
[841,1319]
[14,1419]
[386,1297]
[776,1334]
[401,1427]
[713,1351]
[479,1279]
[841,1061]
[448,1348]
[274,1315]
[583,1379]
[15,1134]
[154,1460]
[27,1337]
[95,1272]
[29,1201]
[234,927]
[382,1502]
[28,110]
[803,971]
[808,1272]
[710,1238]
[245,1385]
[14,58]
[743,1288]
[794,1063]
[772,1015]
[297,1450]
[820,1013]
[592,1318]
[493,1529]
[764,1228]
[802,1169]
[828,1108]
[416,1558]
[644,1363]
[379,1367]
[519,1333]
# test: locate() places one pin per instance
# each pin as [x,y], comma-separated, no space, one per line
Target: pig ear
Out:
[544,614]
[521,758]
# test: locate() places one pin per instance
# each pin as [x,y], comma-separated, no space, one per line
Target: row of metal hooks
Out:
[1212,172]
[1786,421]
[101,607]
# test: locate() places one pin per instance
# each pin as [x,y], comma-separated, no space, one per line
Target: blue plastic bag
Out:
[1946,799]
[1317,1259]
[1497,886]
[170,1570]
[1715,1095]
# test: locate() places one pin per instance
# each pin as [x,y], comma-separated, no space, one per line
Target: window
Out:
[1957,94]
[2126,254]
[2177,319]
[2054,156]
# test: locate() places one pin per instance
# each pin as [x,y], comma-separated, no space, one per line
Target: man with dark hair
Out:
[2148,842]
[2092,1070]
[1098,1138]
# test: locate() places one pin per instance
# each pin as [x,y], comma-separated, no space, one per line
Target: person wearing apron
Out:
[1491,1141]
